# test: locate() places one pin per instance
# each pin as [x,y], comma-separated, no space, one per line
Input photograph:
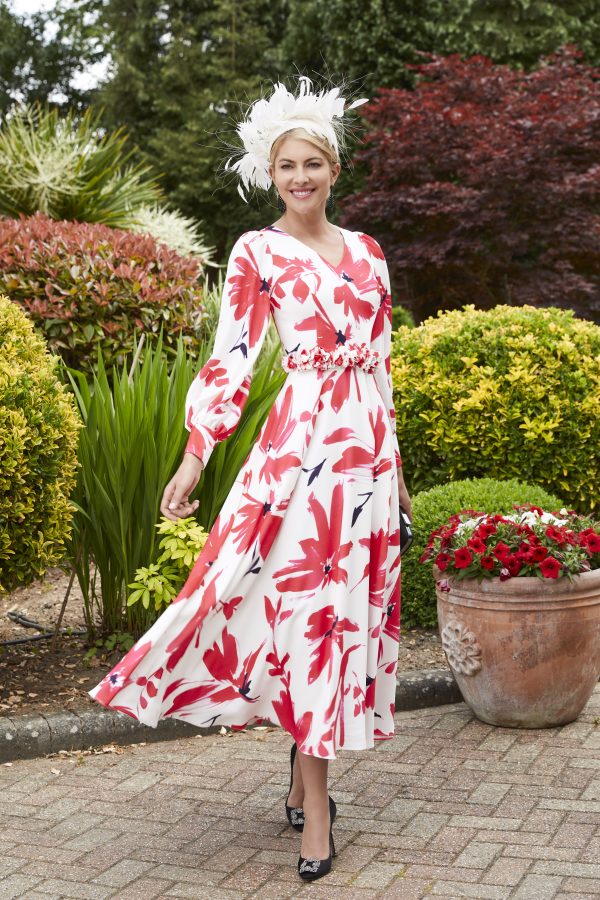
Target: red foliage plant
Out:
[483,185]
[87,287]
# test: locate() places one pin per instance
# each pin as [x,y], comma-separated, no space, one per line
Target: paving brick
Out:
[231,858]
[546,821]
[453,889]
[183,873]
[123,872]
[479,855]
[16,885]
[92,839]
[515,807]
[537,887]
[424,826]
[10,864]
[450,807]
[407,889]
[440,872]
[571,835]
[489,792]
[76,890]
[507,871]
[37,895]
[274,891]
[46,869]
[378,875]
[577,896]
[592,791]
[144,889]
[580,885]
[561,867]
[200,892]
[533,851]
[249,878]
[483,823]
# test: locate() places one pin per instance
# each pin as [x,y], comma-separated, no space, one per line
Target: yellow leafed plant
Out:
[511,392]
[38,453]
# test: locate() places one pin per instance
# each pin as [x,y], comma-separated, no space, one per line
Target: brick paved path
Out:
[450,808]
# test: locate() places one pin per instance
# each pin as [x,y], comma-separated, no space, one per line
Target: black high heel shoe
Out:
[295,814]
[311,869]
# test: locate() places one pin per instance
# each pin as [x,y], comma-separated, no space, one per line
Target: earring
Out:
[331,200]
[280,204]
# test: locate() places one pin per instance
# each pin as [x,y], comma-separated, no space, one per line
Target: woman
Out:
[292,611]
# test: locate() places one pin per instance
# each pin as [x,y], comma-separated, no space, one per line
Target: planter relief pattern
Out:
[540,640]
[461,648]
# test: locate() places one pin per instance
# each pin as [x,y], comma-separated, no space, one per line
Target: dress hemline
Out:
[354,746]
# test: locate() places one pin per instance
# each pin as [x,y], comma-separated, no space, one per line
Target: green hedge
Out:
[89,288]
[431,509]
[38,445]
[511,390]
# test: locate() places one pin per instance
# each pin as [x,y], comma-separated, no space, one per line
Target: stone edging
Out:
[29,736]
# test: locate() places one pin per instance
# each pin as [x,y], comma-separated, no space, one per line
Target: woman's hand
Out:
[175,500]
[405,500]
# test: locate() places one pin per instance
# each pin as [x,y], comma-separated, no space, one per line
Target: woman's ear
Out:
[335,171]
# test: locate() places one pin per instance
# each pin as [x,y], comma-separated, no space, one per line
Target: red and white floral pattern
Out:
[345,355]
[291,612]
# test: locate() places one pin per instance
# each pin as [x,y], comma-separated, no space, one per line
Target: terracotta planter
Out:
[525,652]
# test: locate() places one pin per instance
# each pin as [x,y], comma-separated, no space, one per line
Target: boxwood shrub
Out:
[38,445]
[431,509]
[512,391]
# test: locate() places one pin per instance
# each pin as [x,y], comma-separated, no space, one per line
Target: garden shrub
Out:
[172,228]
[89,287]
[431,509]
[130,448]
[38,447]
[402,316]
[66,165]
[481,181]
[512,392]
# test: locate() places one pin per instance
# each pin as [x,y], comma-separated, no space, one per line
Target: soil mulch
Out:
[36,679]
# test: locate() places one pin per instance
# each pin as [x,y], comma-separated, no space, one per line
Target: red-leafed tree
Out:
[483,185]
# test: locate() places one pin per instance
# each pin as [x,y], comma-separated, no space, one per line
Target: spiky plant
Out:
[65,167]
[178,232]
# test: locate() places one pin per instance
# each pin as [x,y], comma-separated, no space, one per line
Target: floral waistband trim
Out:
[359,355]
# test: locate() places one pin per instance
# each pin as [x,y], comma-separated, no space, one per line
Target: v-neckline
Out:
[335,268]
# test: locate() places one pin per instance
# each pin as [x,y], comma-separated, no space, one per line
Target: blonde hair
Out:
[317,140]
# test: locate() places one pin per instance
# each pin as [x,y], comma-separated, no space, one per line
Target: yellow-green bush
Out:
[38,446]
[507,392]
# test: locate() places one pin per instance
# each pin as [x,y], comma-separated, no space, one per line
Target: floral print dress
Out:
[291,612]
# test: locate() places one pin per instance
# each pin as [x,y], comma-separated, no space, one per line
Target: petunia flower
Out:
[442,560]
[550,567]
[476,544]
[501,551]
[463,558]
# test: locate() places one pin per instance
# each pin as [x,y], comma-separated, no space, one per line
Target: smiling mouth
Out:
[301,195]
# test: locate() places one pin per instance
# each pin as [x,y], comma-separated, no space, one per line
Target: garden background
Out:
[475,164]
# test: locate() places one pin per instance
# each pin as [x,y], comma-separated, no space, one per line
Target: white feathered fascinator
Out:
[268,118]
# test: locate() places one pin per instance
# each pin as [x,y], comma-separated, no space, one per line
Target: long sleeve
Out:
[217,395]
[381,341]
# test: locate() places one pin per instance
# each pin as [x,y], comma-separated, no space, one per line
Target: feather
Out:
[268,118]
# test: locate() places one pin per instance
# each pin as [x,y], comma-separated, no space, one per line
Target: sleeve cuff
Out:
[196,444]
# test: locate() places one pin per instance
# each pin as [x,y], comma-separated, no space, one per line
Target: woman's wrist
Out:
[197,461]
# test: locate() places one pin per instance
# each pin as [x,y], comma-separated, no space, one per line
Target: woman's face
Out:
[302,175]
